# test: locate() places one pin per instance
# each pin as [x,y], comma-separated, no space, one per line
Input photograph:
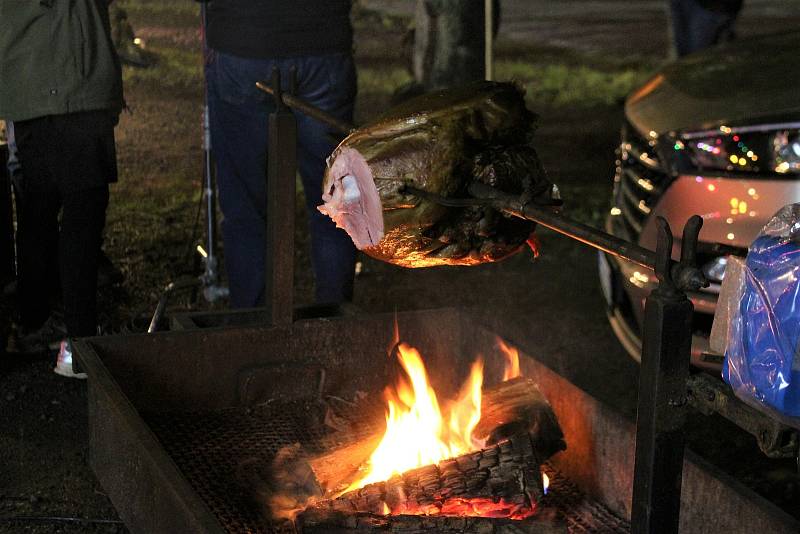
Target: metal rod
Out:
[307,109]
[173,287]
[545,216]
[489,39]
[211,226]
[212,290]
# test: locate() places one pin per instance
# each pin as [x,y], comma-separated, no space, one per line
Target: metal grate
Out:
[582,514]
[208,448]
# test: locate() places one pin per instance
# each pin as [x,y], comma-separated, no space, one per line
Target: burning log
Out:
[516,406]
[509,408]
[503,480]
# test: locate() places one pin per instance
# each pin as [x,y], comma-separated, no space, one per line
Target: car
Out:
[716,133]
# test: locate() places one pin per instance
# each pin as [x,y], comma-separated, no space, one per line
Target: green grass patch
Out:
[174,68]
[381,81]
[569,85]
[163,12]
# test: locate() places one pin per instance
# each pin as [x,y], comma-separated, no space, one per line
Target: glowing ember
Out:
[416,432]
[481,507]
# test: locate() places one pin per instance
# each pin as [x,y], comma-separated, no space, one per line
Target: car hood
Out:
[745,81]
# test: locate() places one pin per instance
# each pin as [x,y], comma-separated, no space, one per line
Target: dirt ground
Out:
[553,304]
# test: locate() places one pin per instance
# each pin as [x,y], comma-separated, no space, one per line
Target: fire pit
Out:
[176,420]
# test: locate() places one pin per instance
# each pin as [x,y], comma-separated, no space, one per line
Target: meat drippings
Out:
[351,199]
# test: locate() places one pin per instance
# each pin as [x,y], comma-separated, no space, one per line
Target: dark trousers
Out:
[696,27]
[67,162]
[239,112]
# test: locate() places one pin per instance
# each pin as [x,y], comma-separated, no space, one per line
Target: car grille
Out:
[638,183]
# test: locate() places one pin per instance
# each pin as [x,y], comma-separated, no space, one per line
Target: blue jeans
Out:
[695,27]
[238,113]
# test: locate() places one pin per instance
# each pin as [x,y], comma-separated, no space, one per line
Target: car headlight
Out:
[769,148]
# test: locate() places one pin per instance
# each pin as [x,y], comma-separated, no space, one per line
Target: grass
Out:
[569,85]
[176,69]
[161,12]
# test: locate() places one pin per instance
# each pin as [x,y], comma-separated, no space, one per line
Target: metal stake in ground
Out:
[281,171]
[661,412]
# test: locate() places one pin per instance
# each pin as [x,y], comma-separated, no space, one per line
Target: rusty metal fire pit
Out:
[172,415]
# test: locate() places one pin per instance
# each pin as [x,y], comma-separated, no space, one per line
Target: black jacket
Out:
[268,29]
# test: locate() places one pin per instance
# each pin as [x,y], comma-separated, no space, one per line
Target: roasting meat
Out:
[440,143]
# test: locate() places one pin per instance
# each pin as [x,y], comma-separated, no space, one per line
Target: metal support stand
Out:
[209,280]
[663,378]
[212,290]
[665,356]
[281,192]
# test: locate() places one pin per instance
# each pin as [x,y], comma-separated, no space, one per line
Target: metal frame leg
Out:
[661,414]
[281,192]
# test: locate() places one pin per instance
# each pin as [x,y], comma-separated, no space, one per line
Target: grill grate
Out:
[208,447]
[639,181]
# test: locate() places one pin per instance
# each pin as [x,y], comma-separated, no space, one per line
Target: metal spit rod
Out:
[685,276]
[312,111]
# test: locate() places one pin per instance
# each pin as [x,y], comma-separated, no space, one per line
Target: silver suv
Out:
[716,134]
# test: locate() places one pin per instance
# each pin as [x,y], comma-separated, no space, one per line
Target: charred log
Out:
[503,480]
[509,408]
[516,406]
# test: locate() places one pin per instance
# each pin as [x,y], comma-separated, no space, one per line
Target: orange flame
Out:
[512,360]
[416,432]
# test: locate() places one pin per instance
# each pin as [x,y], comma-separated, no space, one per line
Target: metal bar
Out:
[545,216]
[281,172]
[307,109]
[661,413]
[710,395]
[489,39]
[181,284]
[686,274]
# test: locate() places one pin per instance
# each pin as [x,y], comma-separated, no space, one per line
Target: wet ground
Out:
[621,28]
[554,303]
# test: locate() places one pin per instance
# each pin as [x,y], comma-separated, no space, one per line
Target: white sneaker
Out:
[64,362]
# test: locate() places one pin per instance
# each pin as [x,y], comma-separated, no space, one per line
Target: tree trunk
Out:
[449,42]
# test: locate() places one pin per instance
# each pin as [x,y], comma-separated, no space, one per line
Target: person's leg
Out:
[88,163]
[329,83]
[238,114]
[696,28]
[706,27]
[37,205]
[82,220]
[680,14]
